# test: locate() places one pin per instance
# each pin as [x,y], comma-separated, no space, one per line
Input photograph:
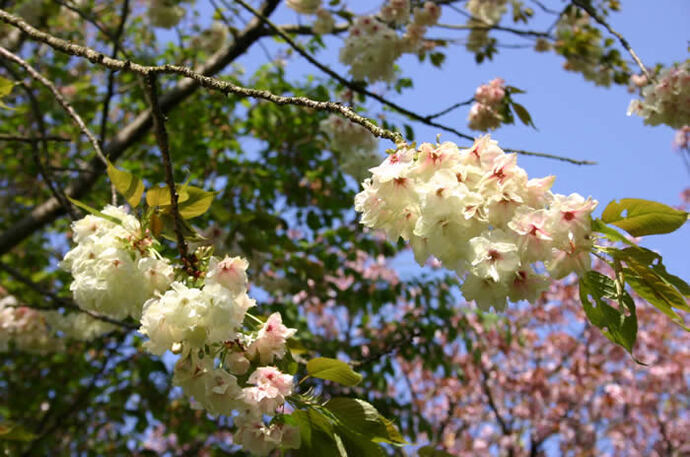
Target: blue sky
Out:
[574,118]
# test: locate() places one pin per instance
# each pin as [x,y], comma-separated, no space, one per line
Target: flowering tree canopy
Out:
[200,261]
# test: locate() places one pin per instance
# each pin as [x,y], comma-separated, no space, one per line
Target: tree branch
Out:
[597,17]
[58,97]
[347,83]
[164,146]
[205,81]
[50,210]
[61,302]
[33,139]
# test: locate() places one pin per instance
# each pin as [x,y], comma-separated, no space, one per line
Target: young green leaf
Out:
[160,196]
[362,418]
[198,202]
[614,323]
[643,217]
[613,235]
[93,211]
[430,451]
[5,88]
[523,114]
[333,370]
[128,185]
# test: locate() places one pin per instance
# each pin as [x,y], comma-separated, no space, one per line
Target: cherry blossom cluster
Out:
[476,211]
[681,140]
[372,46]
[227,365]
[211,39]
[324,22]
[570,29]
[666,101]
[484,114]
[357,147]
[114,265]
[223,367]
[40,332]
[396,12]
[304,6]
[485,13]
[25,328]
[165,13]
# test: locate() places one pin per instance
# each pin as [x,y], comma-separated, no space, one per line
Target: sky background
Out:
[574,118]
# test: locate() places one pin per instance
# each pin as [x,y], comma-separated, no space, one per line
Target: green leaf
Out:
[662,291]
[301,418]
[523,114]
[93,211]
[643,217]
[160,196]
[650,258]
[197,203]
[5,88]
[615,324]
[431,451]
[333,370]
[613,235]
[362,418]
[647,292]
[130,186]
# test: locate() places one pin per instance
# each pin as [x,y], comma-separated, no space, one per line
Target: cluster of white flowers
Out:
[165,13]
[324,22]
[477,212]
[372,47]
[484,14]
[668,100]
[205,324]
[396,12]
[587,63]
[211,39]
[114,267]
[370,50]
[488,12]
[357,147]
[40,332]
[484,114]
[226,366]
[304,6]
[25,328]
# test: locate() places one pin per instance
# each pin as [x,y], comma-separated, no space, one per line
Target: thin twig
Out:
[551,156]
[33,139]
[60,301]
[481,25]
[597,17]
[131,133]
[347,83]
[39,155]
[57,95]
[428,120]
[111,75]
[205,81]
[449,109]
[164,146]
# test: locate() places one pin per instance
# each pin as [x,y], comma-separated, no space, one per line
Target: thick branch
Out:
[50,210]
[58,97]
[205,81]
